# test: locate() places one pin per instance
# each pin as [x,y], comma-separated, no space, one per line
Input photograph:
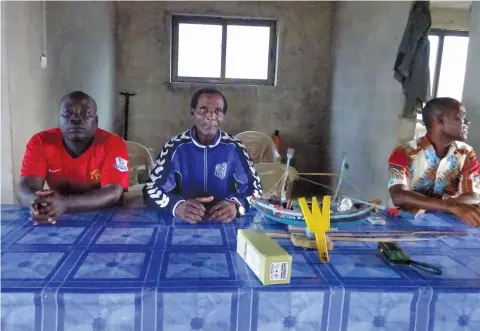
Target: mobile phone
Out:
[376,220]
[393,253]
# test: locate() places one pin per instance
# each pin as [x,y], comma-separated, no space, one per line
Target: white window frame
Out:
[224,22]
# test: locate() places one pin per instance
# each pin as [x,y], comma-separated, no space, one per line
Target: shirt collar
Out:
[215,142]
[425,143]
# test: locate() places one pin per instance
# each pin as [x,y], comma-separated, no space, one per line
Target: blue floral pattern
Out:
[451,268]
[6,229]
[125,236]
[457,311]
[369,311]
[111,265]
[18,312]
[363,266]
[197,311]
[290,311]
[108,275]
[31,265]
[201,237]
[197,265]
[102,312]
[51,235]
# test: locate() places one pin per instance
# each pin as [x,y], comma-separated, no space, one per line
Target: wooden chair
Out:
[260,147]
[272,176]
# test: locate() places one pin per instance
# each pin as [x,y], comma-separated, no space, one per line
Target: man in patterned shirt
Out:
[438,172]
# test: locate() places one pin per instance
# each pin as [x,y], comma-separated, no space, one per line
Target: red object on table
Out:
[393,211]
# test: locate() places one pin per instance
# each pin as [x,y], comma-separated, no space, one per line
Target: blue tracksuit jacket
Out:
[185,169]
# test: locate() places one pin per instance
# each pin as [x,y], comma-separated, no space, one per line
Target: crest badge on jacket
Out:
[221,170]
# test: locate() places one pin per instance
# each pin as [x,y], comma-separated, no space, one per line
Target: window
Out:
[223,50]
[448,60]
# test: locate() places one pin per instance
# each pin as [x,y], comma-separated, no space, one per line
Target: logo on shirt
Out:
[121,164]
[95,175]
[476,182]
[54,170]
[221,170]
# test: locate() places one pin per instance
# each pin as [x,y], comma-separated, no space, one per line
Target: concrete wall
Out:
[24,84]
[366,100]
[6,134]
[298,106]
[81,55]
[471,97]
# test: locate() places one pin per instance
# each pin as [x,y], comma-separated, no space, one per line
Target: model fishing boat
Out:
[342,208]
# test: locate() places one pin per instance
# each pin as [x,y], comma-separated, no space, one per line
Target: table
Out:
[136,269]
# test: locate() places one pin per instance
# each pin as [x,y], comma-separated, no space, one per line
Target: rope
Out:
[313,182]
[274,187]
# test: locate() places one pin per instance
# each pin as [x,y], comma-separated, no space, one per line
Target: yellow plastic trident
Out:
[318,222]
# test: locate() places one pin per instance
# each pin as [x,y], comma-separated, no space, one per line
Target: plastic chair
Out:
[260,147]
[272,176]
[140,160]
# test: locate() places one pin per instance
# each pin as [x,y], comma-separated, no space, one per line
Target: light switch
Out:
[43,61]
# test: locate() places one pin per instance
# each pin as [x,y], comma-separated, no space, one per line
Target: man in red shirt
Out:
[85,167]
[439,171]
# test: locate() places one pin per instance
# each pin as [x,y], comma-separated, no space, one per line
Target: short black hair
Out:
[196,96]
[438,106]
[77,95]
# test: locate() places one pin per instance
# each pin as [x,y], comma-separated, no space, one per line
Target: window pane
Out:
[247,52]
[433,59]
[452,71]
[199,50]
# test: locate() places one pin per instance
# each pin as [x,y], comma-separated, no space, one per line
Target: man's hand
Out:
[48,206]
[469,214]
[224,211]
[192,210]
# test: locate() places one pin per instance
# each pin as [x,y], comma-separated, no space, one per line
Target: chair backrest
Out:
[139,159]
[272,177]
[260,147]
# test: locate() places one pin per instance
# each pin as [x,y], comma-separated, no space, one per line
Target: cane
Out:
[125,113]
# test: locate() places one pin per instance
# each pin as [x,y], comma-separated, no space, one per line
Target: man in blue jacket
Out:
[204,172]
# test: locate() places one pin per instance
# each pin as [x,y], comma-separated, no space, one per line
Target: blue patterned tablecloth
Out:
[135,269]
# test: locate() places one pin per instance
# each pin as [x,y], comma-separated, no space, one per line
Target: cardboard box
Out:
[268,261]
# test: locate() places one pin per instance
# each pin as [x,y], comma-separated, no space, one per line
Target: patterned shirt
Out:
[417,166]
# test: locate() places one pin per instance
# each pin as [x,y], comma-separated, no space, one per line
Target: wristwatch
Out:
[240,208]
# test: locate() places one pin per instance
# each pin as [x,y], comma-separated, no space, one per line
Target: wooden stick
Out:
[379,235]
[298,237]
[383,239]
[279,235]
[397,233]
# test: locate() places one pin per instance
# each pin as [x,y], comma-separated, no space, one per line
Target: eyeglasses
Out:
[203,111]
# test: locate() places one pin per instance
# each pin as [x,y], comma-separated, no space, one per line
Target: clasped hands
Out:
[193,211]
[47,207]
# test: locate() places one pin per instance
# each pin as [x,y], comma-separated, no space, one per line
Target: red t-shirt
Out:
[104,162]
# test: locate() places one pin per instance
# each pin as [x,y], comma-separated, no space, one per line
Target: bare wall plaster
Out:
[298,106]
